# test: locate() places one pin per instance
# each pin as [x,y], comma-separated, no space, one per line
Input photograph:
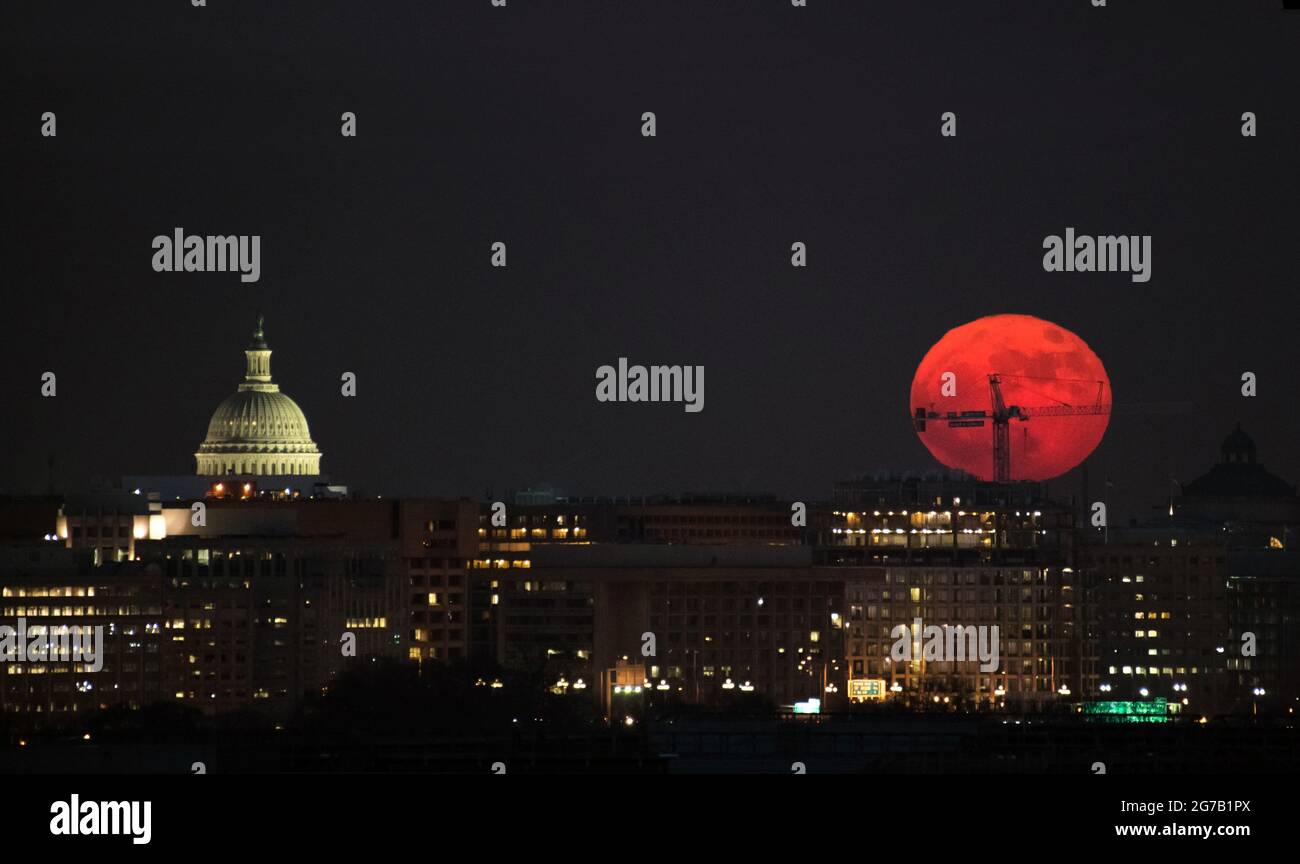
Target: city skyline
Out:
[413,395]
[646,610]
[1067,486]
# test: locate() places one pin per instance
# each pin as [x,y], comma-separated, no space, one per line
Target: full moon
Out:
[1057,385]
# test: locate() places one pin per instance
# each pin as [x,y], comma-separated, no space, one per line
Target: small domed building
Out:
[258,431]
[1240,492]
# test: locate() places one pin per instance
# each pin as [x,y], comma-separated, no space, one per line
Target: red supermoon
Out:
[1055,381]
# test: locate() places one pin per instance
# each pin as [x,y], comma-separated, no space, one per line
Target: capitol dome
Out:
[258,430]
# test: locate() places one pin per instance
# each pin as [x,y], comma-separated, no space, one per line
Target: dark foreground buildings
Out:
[253,596]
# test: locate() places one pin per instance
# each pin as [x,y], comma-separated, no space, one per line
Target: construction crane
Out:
[1002,414]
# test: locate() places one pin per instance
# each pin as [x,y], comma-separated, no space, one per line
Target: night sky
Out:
[522,124]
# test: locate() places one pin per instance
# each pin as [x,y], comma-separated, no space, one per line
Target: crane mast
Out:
[1001,433]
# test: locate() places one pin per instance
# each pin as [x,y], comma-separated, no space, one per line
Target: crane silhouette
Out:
[1001,415]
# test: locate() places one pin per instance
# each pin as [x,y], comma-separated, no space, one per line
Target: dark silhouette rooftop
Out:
[1239,474]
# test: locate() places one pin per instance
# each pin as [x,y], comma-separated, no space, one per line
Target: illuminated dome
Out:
[258,430]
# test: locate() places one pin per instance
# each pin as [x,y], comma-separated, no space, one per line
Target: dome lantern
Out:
[259,361]
[1238,447]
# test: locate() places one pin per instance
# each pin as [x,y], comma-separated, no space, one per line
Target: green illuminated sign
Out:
[1153,711]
